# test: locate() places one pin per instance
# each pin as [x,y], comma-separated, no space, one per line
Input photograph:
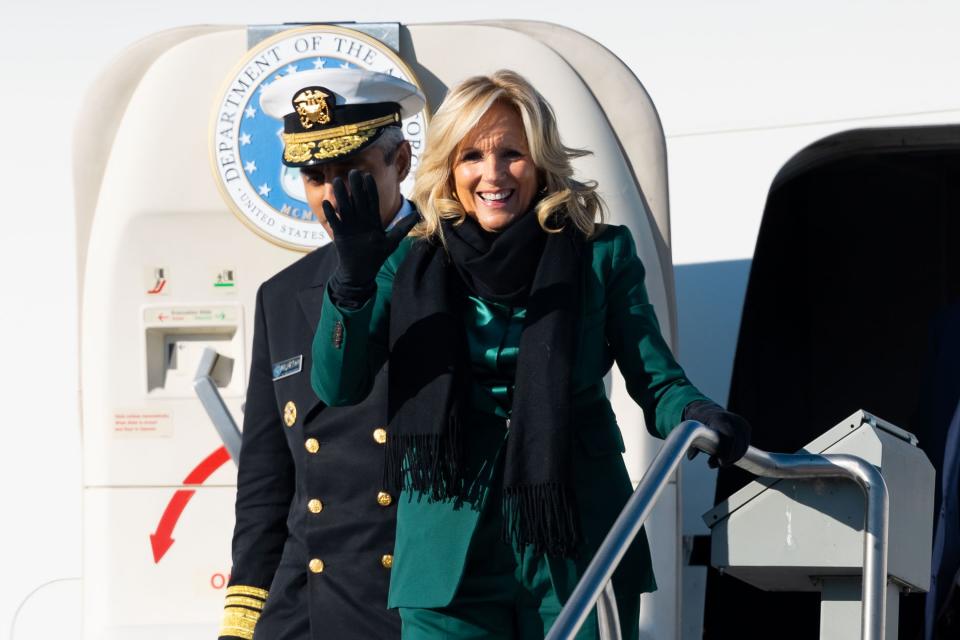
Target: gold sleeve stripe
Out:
[239,622]
[244,601]
[243,590]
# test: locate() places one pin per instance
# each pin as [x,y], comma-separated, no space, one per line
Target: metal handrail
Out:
[608,616]
[770,465]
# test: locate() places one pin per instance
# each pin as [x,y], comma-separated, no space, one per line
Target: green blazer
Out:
[616,323]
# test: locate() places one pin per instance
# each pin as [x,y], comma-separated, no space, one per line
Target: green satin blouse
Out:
[493,338]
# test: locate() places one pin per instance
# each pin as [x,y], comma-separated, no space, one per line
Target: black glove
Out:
[733,430]
[362,245]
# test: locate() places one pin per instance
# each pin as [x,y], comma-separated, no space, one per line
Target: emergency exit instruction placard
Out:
[154,316]
[142,423]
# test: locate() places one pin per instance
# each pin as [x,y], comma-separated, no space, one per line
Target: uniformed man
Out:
[315,527]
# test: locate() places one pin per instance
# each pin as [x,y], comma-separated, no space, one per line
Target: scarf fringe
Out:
[541,516]
[427,463]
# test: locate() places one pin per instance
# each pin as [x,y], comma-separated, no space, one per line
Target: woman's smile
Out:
[496,198]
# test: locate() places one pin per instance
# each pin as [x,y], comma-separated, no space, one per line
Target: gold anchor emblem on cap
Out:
[311,106]
[289,413]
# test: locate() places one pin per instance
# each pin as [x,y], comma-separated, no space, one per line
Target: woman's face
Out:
[494,176]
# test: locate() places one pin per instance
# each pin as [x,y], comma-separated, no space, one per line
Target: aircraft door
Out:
[169,270]
[853,299]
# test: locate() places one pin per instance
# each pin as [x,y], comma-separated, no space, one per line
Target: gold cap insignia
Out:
[289,413]
[311,106]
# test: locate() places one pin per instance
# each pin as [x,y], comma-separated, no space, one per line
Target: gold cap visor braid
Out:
[331,143]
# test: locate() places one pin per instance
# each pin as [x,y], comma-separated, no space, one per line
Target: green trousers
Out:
[504,596]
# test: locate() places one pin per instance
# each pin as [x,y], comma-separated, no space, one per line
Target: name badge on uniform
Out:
[288,367]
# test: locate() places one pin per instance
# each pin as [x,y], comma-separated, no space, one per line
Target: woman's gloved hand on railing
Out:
[734,431]
[362,244]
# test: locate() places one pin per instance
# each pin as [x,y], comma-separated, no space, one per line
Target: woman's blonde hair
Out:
[462,109]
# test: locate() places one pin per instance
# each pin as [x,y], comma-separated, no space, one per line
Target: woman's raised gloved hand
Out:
[734,431]
[362,244]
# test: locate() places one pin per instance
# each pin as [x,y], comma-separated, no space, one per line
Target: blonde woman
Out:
[500,317]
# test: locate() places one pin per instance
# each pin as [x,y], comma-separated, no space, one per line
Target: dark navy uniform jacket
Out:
[314,527]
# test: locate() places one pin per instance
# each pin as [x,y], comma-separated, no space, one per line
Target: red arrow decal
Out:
[161,540]
[206,468]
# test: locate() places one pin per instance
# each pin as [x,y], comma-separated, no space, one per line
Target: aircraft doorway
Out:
[854,284]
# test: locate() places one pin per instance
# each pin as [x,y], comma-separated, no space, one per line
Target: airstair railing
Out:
[596,579]
[608,616]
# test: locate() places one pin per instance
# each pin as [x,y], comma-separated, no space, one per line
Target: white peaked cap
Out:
[350,86]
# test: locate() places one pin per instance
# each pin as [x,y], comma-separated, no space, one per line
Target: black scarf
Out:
[429,371]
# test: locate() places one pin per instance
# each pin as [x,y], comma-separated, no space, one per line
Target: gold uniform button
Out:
[312,445]
[384,499]
[315,506]
[289,413]
[387,561]
[316,565]
[380,435]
